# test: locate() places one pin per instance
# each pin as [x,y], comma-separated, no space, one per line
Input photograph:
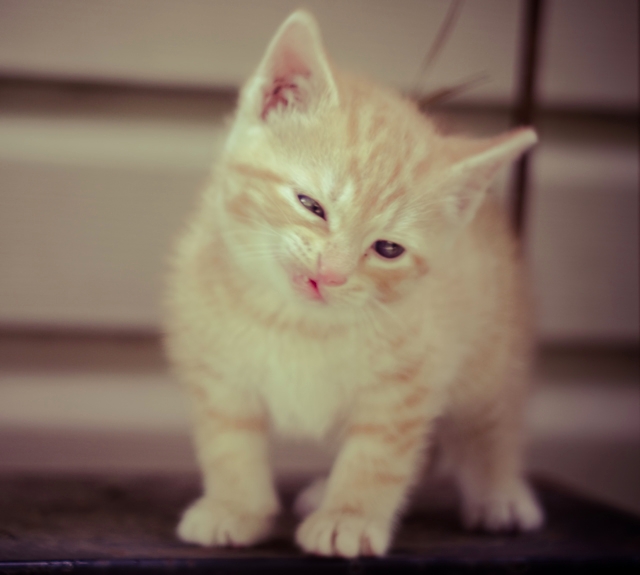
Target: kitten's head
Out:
[338,192]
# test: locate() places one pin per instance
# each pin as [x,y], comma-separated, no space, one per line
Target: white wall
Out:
[591,46]
[93,185]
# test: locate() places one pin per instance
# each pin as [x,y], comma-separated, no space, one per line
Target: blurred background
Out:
[110,116]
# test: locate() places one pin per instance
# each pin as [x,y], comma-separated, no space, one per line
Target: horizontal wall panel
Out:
[218,43]
[92,193]
[87,246]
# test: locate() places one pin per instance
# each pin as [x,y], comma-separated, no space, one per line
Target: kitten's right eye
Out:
[389,250]
[312,205]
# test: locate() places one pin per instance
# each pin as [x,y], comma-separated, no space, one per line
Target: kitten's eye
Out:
[312,205]
[387,249]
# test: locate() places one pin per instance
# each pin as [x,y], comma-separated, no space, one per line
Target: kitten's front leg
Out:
[239,500]
[485,454]
[372,474]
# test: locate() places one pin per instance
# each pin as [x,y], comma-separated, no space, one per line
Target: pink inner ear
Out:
[281,92]
[284,89]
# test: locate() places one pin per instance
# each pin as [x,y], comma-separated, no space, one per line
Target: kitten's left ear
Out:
[476,164]
[294,73]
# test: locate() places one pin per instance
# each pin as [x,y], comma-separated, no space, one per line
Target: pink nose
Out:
[331,278]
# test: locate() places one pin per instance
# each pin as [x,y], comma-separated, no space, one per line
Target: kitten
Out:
[348,272]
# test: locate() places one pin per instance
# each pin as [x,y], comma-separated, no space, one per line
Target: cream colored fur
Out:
[280,320]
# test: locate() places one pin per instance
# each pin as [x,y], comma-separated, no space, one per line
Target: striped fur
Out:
[278,319]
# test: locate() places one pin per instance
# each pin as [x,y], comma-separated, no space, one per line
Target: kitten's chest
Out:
[307,384]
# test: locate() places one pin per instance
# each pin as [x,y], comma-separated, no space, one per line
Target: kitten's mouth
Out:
[308,287]
[313,290]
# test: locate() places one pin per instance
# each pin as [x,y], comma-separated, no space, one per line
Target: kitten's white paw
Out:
[343,534]
[210,523]
[309,499]
[514,508]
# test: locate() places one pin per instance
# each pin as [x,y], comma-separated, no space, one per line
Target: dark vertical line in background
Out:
[525,104]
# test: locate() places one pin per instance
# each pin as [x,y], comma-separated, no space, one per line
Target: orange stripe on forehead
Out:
[255,172]
[365,172]
[383,202]
[383,174]
[375,157]
[395,172]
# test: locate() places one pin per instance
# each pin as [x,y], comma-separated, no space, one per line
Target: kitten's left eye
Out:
[389,250]
[312,205]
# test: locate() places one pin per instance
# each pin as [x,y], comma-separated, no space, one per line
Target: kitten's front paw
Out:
[210,523]
[343,534]
[508,509]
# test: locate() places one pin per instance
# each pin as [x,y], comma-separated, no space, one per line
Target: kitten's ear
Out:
[476,163]
[294,72]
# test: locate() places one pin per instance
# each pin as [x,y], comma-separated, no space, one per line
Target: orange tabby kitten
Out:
[347,270]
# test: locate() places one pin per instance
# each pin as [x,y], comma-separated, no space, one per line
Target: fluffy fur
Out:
[281,319]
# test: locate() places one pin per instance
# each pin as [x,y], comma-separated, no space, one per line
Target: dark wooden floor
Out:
[119,525]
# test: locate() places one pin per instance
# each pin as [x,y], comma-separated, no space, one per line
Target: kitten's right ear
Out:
[474,164]
[294,74]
